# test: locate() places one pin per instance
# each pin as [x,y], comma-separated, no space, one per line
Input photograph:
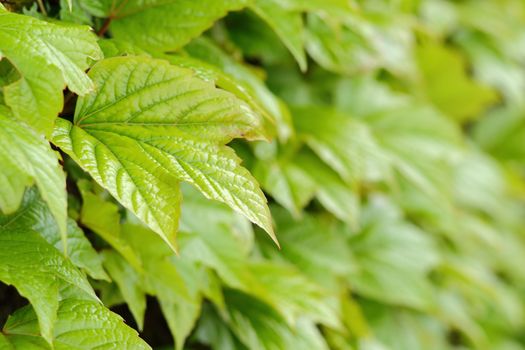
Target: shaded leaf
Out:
[160,25]
[286,23]
[80,324]
[26,157]
[37,270]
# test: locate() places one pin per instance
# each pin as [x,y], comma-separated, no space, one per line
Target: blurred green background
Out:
[397,186]
[395,179]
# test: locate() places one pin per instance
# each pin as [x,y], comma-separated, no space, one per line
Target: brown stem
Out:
[105,26]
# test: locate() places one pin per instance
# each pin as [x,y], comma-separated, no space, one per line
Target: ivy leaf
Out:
[80,324]
[332,192]
[344,143]
[151,125]
[314,246]
[160,25]
[212,331]
[211,63]
[255,323]
[219,250]
[129,283]
[393,258]
[441,68]
[35,214]
[287,183]
[286,23]
[294,295]
[37,270]
[25,157]
[103,218]
[163,278]
[64,50]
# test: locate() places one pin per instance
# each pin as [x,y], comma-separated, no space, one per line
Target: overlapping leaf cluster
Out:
[135,157]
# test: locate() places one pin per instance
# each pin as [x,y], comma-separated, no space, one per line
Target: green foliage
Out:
[137,164]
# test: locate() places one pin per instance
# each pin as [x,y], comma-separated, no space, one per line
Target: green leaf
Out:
[294,181]
[255,323]
[287,24]
[163,126]
[22,342]
[219,250]
[393,258]
[199,214]
[65,50]
[129,284]
[163,279]
[103,218]
[25,157]
[80,324]
[333,193]
[344,143]
[160,25]
[214,332]
[237,78]
[361,41]
[287,183]
[440,68]
[294,295]
[37,270]
[314,245]
[35,214]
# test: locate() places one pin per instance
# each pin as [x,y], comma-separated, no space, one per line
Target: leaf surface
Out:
[287,24]
[64,50]
[35,214]
[161,25]
[80,324]
[151,125]
[25,157]
[37,270]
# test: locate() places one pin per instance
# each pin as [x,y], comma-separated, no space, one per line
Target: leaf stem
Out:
[42,7]
[104,27]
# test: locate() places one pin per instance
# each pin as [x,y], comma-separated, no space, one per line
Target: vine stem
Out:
[104,27]
[42,7]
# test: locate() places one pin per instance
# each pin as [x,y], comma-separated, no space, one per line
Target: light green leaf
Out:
[37,270]
[287,24]
[103,218]
[294,181]
[336,7]
[219,250]
[129,284]
[294,295]
[441,68]
[163,279]
[65,50]
[160,25]
[393,258]
[332,192]
[361,42]
[25,157]
[35,214]
[199,214]
[22,342]
[80,324]
[287,183]
[255,323]
[342,142]
[151,125]
[314,246]
[237,78]
[212,331]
